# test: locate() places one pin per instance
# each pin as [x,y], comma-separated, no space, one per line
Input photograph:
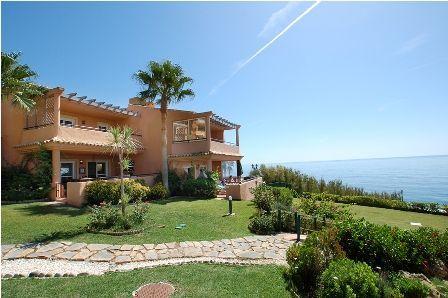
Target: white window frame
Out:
[68,118]
[74,163]
[100,126]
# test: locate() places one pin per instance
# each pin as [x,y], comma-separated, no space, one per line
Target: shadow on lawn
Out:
[39,209]
[59,235]
[179,199]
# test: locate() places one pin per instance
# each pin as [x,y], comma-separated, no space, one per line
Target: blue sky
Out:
[349,80]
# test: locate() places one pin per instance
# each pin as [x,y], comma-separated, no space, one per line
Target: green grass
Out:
[398,218]
[193,280]
[204,219]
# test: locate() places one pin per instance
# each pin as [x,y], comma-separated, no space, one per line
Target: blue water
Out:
[421,178]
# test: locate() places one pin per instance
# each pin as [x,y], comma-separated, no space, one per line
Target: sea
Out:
[422,178]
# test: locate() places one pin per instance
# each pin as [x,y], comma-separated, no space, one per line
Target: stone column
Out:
[57,112]
[56,177]
[237,136]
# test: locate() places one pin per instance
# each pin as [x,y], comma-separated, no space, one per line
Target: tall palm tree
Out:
[123,144]
[164,84]
[16,82]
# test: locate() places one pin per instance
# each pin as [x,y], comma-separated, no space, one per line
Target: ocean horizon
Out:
[421,178]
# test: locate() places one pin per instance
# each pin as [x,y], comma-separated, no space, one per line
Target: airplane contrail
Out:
[242,65]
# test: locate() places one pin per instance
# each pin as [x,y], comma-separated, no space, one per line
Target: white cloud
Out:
[242,64]
[278,18]
[412,44]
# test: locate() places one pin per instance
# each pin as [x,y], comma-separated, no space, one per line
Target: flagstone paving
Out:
[251,249]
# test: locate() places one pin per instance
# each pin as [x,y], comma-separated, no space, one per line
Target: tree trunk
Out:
[123,205]
[164,150]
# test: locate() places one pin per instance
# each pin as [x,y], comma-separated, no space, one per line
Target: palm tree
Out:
[16,82]
[123,144]
[164,84]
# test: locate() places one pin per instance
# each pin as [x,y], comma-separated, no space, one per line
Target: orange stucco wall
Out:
[147,123]
[13,122]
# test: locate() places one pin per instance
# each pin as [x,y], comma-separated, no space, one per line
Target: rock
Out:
[175,253]
[65,275]
[41,274]
[96,247]
[76,246]
[7,247]
[270,254]
[82,255]
[122,259]
[57,275]
[126,247]
[17,253]
[66,255]
[191,252]
[48,275]
[171,245]
[161,246]
[151,255]
[34,274]
[250,255]
[83,274]
[213,254]
[102,256]
[138,247]
[148,246]
[7,275]
[50,246]
[227,254]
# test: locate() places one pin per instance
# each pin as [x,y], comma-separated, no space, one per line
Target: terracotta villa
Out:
[75,130]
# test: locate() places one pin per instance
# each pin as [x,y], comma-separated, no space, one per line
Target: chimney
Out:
[140,102]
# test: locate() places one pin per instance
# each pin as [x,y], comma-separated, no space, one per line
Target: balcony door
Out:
[97,169]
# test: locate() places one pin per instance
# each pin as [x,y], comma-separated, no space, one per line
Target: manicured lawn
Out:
[204,219]
[401,219]
[193,280]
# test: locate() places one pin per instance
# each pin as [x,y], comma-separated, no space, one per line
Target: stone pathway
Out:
[59,258]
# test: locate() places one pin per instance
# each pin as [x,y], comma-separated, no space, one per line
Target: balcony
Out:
[226,148]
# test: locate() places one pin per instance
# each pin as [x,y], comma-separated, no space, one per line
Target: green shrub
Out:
[282,197]
[110,191]
[379,202]
[305,267]
[103,216]
[262,225]
[307,261]
[157,192]
[102,191]
[347,278]
[410,288]
[391,248]
[174,182]
[323,209]
[376,245]
[263,198]
[108,217]
[136,190]
[29,181]
[201,188]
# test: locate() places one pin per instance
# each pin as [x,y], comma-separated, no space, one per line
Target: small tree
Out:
[16,82]
[164,84]
[123,144]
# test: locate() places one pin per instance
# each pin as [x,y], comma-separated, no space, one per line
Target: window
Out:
[67,121]
[186,130]
[96,169]
[103,126]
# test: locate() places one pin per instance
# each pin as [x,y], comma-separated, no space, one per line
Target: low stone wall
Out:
[241,191]
[76,193]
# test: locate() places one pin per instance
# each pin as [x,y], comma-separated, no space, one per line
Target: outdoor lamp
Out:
[230,206]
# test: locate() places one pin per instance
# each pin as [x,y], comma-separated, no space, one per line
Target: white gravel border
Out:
[60,268]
